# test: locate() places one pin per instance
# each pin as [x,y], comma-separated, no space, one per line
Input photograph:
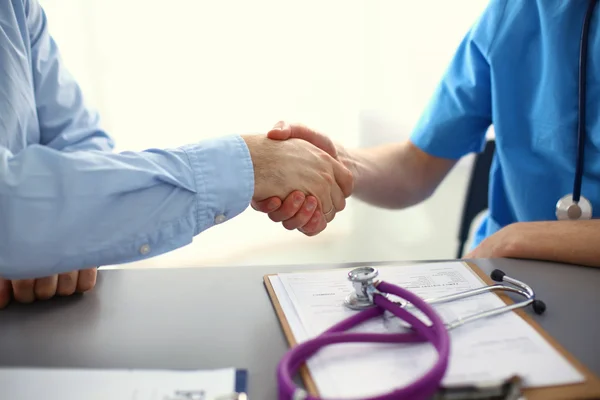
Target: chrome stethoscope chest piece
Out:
[363,281]
[567,209]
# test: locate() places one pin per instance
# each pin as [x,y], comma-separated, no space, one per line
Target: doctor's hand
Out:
[294,169]
[297,211]
[500,244]
[30,290]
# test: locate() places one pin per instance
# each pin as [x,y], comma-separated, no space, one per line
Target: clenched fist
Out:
[30,290]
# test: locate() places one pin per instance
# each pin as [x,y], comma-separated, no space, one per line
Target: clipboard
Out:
[589,389]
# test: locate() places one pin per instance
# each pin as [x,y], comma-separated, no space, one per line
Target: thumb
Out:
[5,292]
[281,131]
[284,131]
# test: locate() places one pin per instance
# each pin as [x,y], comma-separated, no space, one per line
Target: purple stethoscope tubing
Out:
[436,334]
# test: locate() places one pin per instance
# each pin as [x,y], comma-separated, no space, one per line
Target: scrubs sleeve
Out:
[458,116]
[66,122]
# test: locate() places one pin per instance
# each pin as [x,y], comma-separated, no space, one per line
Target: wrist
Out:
[512,241]
[253,142]
[349,159]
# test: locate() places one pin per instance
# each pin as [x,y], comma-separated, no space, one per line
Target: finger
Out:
[343,177]
[303,216]
[67,283]
[339,201]
[290,207]
[45,288]
[281,131]
[86,280]
[5,292]
[23,290]
[268,205]
[326,204]
[315,226]
[297,131]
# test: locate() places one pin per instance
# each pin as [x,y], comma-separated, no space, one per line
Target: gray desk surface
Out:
[222,317]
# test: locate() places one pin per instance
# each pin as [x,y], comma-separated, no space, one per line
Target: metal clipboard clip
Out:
[509,389]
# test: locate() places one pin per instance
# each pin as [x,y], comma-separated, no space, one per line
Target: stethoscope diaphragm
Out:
[567,209]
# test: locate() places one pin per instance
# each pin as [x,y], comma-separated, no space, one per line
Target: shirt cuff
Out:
[224,177]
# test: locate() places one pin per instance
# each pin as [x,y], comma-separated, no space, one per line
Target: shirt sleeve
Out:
[66,122]
[459,114]
[64,211]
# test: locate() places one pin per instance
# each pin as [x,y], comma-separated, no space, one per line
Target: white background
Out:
[167,73]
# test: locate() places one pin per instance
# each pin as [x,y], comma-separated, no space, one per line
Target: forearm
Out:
[64,211]
[571,242]
[397,175]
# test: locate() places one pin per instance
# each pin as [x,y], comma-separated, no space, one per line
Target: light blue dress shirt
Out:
[67,201]
[517,68]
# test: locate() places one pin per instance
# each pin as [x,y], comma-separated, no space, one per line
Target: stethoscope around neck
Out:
[574,206]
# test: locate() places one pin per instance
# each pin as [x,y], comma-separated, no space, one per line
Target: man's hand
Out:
[285,166]
[30,290]
[298,211]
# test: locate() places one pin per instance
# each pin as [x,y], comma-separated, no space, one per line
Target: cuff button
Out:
[145,249]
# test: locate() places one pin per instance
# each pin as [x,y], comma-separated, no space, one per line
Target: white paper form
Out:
[493,348]
[92,384]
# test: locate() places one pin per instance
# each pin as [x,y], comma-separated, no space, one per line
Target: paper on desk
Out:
[93,384]
[490,349]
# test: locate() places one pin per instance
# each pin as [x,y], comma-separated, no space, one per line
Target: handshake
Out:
[300,177]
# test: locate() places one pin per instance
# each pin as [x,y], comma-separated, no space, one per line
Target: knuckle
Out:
[86,285]
[276,216]
[23,284]
[45,292]
[86,281]
[289,225]
[289,210]
[323,190]
[23,290]
[324,156]
[329,178]
[66,279]
[66,290]
[45,288]
[66,285]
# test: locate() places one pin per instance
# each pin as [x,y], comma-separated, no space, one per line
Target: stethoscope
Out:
[575,206]
[370,299]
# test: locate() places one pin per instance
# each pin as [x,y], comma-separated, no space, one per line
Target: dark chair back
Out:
[476,200]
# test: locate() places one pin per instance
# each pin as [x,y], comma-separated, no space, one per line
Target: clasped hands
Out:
[315,179]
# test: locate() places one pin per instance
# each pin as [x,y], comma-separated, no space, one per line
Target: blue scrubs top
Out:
[517,69]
